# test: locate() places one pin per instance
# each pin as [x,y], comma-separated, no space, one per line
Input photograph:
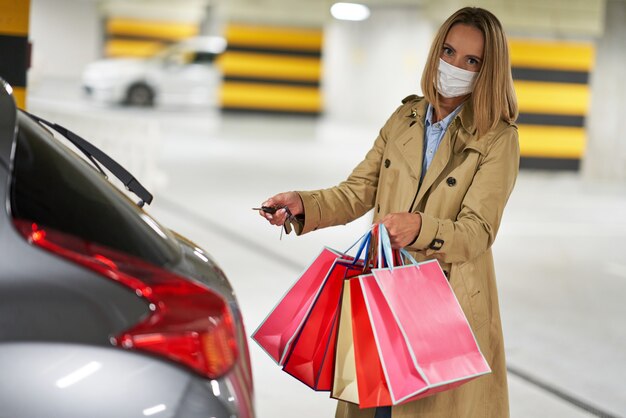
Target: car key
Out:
[267,209]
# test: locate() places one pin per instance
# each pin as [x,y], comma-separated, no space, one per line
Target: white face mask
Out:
[454,81]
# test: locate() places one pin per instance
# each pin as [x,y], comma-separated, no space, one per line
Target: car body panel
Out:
[56,316]
[71,380]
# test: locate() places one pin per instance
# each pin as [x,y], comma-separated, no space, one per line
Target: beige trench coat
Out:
[461,200]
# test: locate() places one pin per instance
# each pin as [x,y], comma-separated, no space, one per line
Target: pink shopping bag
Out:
[434,333]
[386,347]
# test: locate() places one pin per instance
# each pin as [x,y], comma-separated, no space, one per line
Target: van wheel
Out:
[140,95]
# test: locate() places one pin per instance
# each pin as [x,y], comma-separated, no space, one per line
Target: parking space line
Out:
[559,393]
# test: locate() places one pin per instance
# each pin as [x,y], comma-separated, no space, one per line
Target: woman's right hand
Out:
[291,200]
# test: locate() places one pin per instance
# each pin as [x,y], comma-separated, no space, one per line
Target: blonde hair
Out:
[493,97]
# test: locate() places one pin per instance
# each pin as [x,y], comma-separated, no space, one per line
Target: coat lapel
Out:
[442,156]
[411,144]
[463,122]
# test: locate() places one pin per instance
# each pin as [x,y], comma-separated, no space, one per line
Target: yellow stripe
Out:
[552,55]
[273,37]
[151,29]
[271,97]
[19,94]
[14,17]
[552,141]
[270,66]
[556,98]
[126,48]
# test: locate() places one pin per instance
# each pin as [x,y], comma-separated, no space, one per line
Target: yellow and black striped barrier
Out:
[129,37]
[552,85]
[272,69]
[14,46]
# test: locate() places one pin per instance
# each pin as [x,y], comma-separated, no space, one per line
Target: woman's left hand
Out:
[403,228]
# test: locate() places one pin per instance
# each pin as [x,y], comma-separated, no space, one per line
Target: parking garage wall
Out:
[65,36]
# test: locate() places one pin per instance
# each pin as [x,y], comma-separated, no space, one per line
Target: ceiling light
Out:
[350,11]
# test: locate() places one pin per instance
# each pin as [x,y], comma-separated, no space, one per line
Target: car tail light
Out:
[188,323]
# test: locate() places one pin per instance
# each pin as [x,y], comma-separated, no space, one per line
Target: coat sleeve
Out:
[353,197]
[475,228]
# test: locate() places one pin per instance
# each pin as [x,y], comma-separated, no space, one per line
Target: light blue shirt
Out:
[433,134]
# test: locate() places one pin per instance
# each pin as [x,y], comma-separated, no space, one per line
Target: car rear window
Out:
[54,187]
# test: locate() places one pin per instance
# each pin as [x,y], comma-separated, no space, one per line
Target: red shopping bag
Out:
[299,333]
[277,332]
[312,355]
[372,386]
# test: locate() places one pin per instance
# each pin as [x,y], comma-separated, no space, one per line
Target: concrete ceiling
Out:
[554,18]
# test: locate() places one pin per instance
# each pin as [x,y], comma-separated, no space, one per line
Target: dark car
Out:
[104,312]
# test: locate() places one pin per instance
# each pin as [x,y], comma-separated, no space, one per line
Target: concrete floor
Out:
[560,253]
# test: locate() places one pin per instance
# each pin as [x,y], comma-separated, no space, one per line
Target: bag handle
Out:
[377,246]
[385,254]
[408,255]
[364,242]
[363,239]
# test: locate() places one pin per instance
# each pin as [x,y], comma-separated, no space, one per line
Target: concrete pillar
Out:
[605,159]
[370,66]
[14,50]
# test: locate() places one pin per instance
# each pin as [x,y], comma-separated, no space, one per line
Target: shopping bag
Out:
[312,354]
[345,386]
[277,332]
[300,332]
[398,377]
[410,337]
[435,331]
[365,386]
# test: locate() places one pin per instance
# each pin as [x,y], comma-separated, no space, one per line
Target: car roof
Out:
[212,44]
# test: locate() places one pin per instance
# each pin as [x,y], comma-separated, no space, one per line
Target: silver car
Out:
[103,311]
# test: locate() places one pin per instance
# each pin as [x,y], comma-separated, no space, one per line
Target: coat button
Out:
[451,181]
[387,163]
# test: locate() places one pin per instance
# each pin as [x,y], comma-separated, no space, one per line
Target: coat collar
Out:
[466,116]
[467,137]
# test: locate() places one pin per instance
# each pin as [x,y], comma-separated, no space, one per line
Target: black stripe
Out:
[14,61]
[553,164]
[278,112]
[550,120]
[276,51]
[553,76]
[560,394]
[295,83]
[142,38]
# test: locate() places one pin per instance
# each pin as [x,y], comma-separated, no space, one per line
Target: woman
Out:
[438,177]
